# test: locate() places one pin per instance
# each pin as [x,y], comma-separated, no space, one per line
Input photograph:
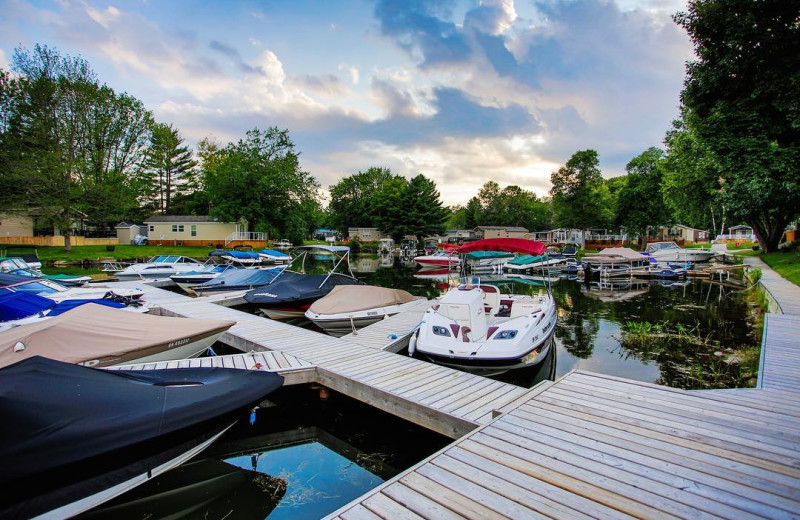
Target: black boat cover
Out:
[58,415]
[301,287]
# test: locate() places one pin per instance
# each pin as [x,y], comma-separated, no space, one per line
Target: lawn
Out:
[95,253]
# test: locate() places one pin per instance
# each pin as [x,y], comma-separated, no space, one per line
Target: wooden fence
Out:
[57,241]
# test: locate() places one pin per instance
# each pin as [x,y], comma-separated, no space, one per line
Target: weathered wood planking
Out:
[591,446]
[391,333]
[444,400]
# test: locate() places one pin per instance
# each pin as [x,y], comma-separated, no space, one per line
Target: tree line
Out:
[69,143]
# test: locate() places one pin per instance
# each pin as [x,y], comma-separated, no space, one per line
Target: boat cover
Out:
[8,279]
[244,277]
[511,245]
[60,420]
[482,255]
[272,252]
[351,298]
[94,331]
[615,252]
[527,259]
[242,255]
[18,305]
[300,287]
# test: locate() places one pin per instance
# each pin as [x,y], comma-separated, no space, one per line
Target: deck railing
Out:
[245,235]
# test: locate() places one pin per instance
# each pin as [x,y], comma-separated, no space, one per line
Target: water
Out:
[589,335]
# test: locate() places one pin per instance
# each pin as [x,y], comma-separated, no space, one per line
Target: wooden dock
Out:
[444,400]
[586,446]
[391,334]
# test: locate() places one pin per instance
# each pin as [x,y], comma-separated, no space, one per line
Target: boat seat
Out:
[524,308]
[491,298]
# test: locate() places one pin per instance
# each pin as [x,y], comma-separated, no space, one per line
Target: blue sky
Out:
[461,91]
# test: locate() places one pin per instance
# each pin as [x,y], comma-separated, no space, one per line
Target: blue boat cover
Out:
[71,431]
[244,277]
[480,255]
[234,253]
[67,305]
[527,259]
[7,279]
[273,252]
[292,288]
[18,305]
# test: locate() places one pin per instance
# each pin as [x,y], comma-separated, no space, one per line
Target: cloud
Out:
[326,85]
[491,17]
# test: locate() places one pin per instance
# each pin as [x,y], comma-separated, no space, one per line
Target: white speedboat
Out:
[15,265]
[671,252]
[274,257]
[162,266]
[350,307]
[533,263]
[438,260]
[476,328]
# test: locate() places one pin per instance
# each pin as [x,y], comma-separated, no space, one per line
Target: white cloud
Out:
[4,61]
[104,18]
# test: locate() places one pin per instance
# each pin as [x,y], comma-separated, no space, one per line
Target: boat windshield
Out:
[661,246]
[38,287]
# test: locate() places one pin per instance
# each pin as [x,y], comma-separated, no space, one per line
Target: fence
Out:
[57,241]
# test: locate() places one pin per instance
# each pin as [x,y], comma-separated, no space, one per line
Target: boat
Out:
[282,244]
[670,251]
[234,280]
[386,246]
[274,257]
[246,258]
[533,263]
[160,266]
[16,265]
[32,261]
[291,293]
[186,281]
[19,308]
[95,335]
[75,437]
[614,261]
[349,307]
[476,328]
[58,293]
[449,259]
[478,260]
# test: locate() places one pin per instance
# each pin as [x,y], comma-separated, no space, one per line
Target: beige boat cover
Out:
[615,253]
[351,298]
[94,331]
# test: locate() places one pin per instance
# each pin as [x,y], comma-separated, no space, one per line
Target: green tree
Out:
[352,199]
[690,180]
[68,143]
[259,179]
[742,100]
[411,208]
[640,204]
[169,169]
[580,197]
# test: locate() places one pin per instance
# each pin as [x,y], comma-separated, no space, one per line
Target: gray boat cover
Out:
[614,253]
[351,298]
[93,331]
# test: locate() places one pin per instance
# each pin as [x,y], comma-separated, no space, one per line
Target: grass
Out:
[95,253]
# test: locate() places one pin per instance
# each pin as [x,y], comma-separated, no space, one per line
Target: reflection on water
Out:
[592,316]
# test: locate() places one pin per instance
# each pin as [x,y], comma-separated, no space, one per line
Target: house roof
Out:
[179,218]
[507,228]
[688,227]
[125,225]
[740,226]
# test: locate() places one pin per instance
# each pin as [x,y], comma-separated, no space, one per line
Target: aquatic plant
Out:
[754,275]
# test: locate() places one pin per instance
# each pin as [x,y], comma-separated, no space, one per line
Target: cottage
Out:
[16,224]
[739,233]
[482,232]
[200,230]
[364,234]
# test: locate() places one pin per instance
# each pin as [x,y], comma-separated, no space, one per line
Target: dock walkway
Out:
[447,401]
[596,446]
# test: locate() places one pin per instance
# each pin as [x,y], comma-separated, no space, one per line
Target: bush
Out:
[754,275]
[788,247]
[355,245]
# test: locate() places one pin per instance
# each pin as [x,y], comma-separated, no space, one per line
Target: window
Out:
[194,230]
[366,233]
[177,228]
[152,228]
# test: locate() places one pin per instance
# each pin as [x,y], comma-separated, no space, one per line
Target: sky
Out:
[461,91]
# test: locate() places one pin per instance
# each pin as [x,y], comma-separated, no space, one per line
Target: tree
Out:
[640,204]
[259,179]
[690,180]
[411,208]
[580,198]
[68,143]
[169,167]
[741,99]
[352,198]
